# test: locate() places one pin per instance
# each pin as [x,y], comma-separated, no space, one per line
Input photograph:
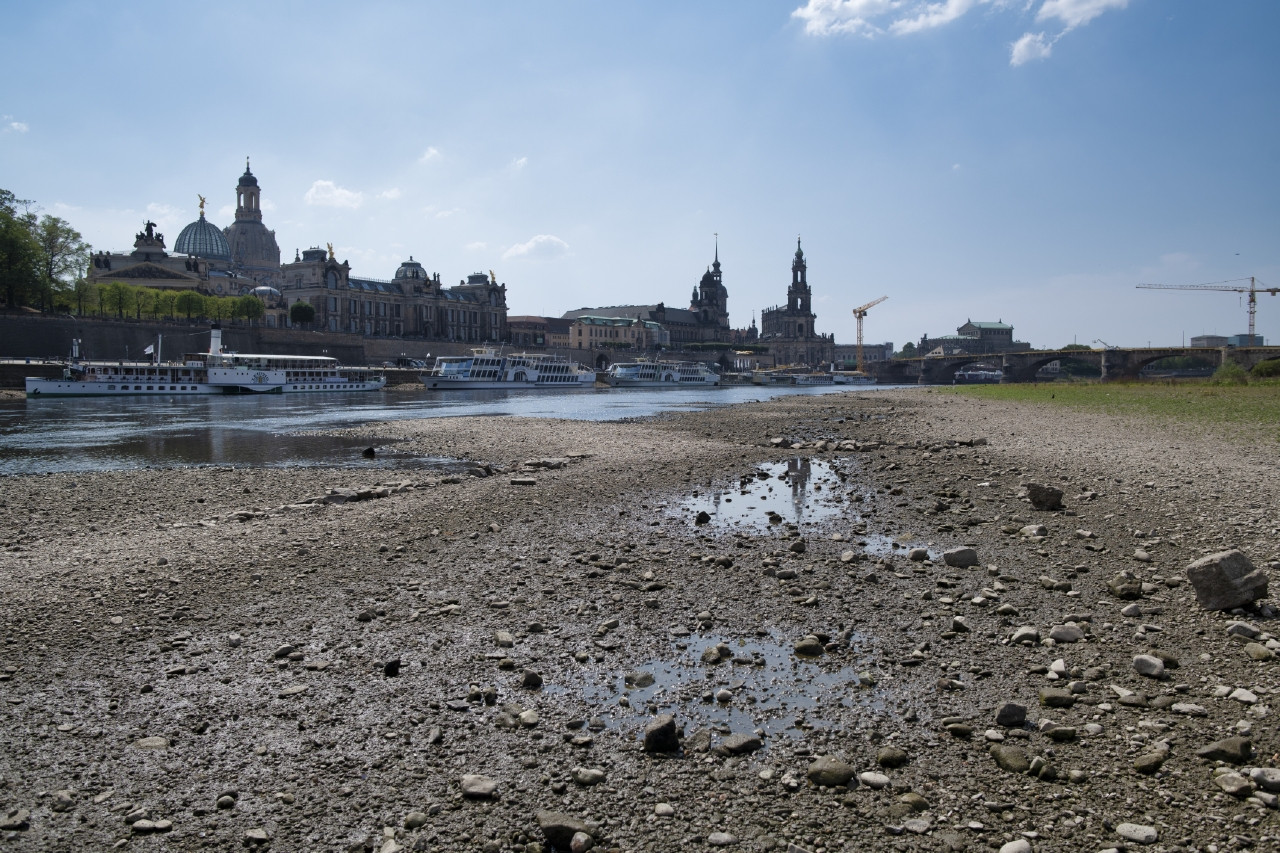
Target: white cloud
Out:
[835,17]
[933,15]
[445,214]
[391,194]
[475,247]
[329,194]
[872,18]
[1030,46]
[226,212]
[519,163]
[541,247]
[1076,13]
[430,154]
[16,127]
[955,167]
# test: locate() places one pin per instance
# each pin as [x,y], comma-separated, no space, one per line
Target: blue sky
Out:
[1023,160]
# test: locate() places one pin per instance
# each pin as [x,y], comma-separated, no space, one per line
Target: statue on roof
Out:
[201,203]
[330,245]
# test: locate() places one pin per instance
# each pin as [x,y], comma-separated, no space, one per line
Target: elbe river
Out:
[112,433]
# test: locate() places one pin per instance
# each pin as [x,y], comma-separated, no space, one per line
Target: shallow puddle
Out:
[770,688]
[797,491]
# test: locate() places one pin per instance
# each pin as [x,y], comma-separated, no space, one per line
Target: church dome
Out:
[204,240]
[410,269]
[247,179]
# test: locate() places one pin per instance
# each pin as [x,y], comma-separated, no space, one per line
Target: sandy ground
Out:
[211,658]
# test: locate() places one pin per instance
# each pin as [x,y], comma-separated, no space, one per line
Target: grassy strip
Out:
[1252,406]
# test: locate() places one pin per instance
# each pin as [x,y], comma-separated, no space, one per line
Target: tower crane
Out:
[1231,286]
[861,313]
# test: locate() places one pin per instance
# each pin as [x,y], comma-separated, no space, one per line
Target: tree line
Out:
[120,300]
[41,257]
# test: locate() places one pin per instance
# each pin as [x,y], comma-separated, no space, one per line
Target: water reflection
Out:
[100,433]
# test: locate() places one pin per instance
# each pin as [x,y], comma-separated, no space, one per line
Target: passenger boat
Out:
[852,378]
[660,374]
[812,379]
[212,372]
[487,369]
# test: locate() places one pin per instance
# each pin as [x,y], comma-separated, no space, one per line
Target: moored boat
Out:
[660,374]
[486,369]
[852,377]
[212,372]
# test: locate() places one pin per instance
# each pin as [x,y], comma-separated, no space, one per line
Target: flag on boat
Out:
[150,350]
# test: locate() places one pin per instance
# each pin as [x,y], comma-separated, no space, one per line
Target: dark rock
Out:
[961,557]
[703,517]
[559,828]
[1043,497]
[1226,580]
[1125,587]
[891,756]
[740,744]
[1233,750]
[391,668]
[1010,758]
[1011,715]
[661,734]
[830,772]
[1051,697]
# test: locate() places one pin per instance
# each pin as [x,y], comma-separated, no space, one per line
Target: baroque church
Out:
[789,330]
[244,258]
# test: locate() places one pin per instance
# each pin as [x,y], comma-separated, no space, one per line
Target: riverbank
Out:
[207,658]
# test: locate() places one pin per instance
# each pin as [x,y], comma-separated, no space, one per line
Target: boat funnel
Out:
[215,339]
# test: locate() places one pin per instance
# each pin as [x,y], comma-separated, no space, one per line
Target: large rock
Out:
[961,558]
[830,771]
[559,828]
[1044,497]
[1233,750]
[1226,580]
[661,735]
[1010,758]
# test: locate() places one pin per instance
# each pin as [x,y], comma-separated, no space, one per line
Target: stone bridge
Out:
[1114,362]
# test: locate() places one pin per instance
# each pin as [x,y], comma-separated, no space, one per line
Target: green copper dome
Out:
[204,240]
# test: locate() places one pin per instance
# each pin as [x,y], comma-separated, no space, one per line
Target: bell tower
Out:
[248,197]
[798,294]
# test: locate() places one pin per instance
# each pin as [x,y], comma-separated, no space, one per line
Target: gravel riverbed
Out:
[555,650]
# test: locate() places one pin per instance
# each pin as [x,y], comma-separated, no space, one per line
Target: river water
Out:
[106,433]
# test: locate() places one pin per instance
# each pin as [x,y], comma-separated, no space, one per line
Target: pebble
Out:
[1259,652]
[874,781]
[1137,833]
[152,743]
[830,772]
[891,756]
[1069,633]
[1011,715]
[1148,665]
[477,787]
[961,557]
[1010,758]
[1233,784]
[664,810]
[416,820]
[587,776]
[1027,634]
[721,839]
[1244,696]
[1018,845]
[560,828]
[1233,750]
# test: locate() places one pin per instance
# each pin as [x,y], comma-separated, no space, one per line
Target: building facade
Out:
[973,338]
[789,330]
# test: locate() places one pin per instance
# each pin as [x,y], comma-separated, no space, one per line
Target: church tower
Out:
[710,302]
[248,197]
[798,294]
[253,247]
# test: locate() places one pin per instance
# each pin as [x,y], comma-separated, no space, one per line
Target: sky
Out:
[1028,161]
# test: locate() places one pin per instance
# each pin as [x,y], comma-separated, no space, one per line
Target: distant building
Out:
[789,330]
[413,304]
[1246,341]
[251,246]
[846,355]
[527,331]
[1215,341]
[973,338]
[706,320]
[587,332]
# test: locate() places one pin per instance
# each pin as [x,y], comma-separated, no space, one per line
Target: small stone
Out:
[1257,651]
[810,647]
[1044,498]
[580,843]
[664,810]
[918,555]
[283,652]
[256,837]
[226,801]
[1069,633]
[1052,697]
[1234,785]
[891,756]
[587,776]
[1148,665]
[1017,845]
[530,680]
[1010,758]
[1243,696]
[874,781]
[152,743]
[477,787]
[1137,833]
[741,744]
[1150,762]
[416,820]
[1027,634]
[721,839]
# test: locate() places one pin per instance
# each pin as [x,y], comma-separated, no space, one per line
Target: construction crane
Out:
[1231,286]
[860,313]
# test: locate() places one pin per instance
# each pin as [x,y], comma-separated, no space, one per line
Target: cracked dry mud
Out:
[203,659]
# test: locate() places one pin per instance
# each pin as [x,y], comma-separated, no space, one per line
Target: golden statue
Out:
[201,203]
[493,277]
[330,245]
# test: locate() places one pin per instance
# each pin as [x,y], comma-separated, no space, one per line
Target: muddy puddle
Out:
[762,685]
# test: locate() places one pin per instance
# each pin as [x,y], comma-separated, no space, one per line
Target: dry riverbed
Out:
[338,659]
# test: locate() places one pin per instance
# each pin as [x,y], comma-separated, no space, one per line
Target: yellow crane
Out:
[1231,286]
[861,313]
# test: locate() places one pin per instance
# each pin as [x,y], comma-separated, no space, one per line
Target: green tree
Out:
[302,313]
[165,301]
[118,297]
[250,307]
[144,301]
[83,292]
[189,302]
[908,350]
[64,256]
[218,307]
[19,251]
